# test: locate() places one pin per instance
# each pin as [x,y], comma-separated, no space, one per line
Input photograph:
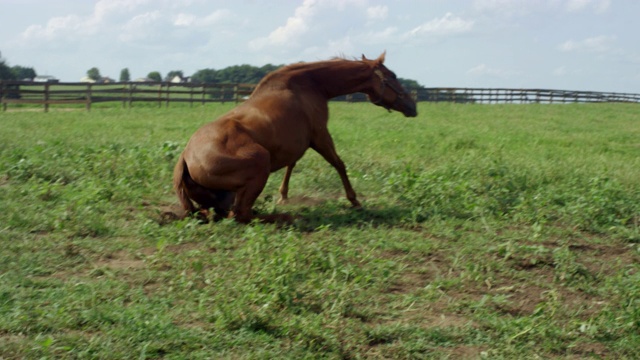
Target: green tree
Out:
[173,74]
[5,70]
[246,74]
[124,75]
[155,76]
[206,76]
[409,84]
[94,74]
[21,72]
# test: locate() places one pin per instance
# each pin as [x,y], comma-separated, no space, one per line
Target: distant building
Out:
[143,80]
[46,79]
[102,80]
[179,79]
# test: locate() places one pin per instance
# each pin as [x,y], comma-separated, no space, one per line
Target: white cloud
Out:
[505,7]
[598,44]
[484,70]
[72,26]
[310,17]
[141,26]
[599,6]
[54,27]
[296,26]
[185,20]
[190,20]
[377,12]
[379,37]
[523,7]
[444,26]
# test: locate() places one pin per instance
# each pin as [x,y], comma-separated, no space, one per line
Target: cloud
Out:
[598,44]
[190,20]
[484,70]
[142,26]
[524,7]
[73,26]
[444,26]
[377,13]
[296,26]
[55,27]
[599,6]
[505,7]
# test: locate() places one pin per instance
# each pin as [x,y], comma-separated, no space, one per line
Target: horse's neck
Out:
[330,78]
[348,78]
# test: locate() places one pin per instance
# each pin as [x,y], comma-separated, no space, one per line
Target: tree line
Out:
[236,74]
[15,72]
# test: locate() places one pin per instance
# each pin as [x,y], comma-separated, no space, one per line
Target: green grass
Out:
[497,231]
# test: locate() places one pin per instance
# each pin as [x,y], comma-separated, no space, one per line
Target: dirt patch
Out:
[120,260]
[588,350]
[604,259]
[467,352]
[305,201]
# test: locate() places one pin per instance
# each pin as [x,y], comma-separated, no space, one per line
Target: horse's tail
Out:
[180,175]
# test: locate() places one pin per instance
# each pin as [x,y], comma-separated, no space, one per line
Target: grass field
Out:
[488,231]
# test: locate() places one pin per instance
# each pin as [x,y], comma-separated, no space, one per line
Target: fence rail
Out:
[521,96]
[86,94]
[15,93]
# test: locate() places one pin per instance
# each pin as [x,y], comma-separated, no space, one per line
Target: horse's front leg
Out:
[284,187]
[325,147]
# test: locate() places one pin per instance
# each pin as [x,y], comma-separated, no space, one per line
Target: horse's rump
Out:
[187,189]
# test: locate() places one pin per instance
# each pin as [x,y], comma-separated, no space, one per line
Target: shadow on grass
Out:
[339,216]
[309,217]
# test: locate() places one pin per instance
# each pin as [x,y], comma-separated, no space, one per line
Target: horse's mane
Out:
[299,67]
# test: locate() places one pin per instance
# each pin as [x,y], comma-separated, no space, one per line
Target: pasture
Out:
[488,231]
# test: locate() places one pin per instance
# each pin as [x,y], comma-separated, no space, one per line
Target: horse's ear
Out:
[380,59]
[364,58]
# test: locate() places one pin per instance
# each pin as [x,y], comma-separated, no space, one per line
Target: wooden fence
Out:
[86,94]
[520,96]
[164,93]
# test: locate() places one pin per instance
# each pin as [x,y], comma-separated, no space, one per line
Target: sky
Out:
[552,44]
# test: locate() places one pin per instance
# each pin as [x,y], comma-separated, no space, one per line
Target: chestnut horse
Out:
[227,162]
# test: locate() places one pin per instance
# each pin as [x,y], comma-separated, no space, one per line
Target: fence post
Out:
[88,103]
[168,94]
[124,95]
[131,88]
[2,95]
[46,97]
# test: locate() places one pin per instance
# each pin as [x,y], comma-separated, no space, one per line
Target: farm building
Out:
[46,79]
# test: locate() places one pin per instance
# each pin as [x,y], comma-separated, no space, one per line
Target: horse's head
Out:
[386,90]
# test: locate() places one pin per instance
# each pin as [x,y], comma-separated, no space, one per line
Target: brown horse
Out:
[227,162]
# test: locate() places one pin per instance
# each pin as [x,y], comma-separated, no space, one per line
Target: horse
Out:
[226,163]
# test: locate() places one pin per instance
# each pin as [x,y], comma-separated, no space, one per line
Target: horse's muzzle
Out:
[409,109]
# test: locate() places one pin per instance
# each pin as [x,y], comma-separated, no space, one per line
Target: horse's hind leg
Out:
[220,200]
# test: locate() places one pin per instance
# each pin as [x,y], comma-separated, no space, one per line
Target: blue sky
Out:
[558,44]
